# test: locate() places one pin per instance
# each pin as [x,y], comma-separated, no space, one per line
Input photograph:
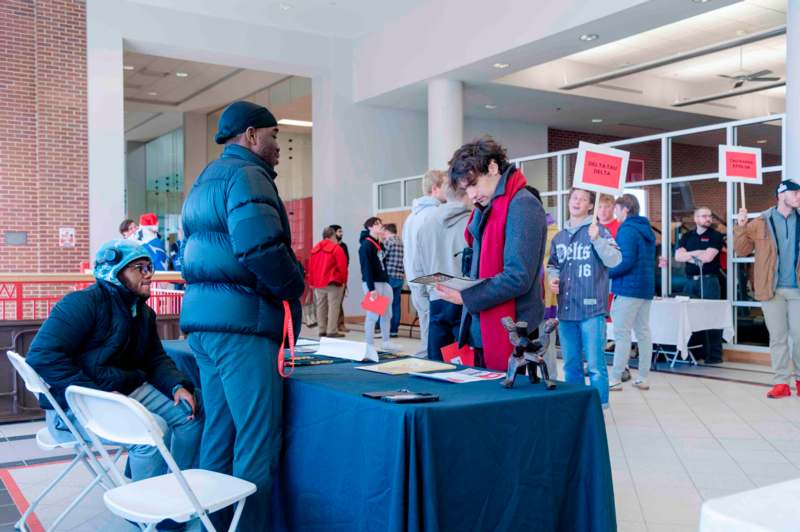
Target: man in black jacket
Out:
[104,337]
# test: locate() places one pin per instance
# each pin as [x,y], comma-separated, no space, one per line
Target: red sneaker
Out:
[797,385]
[779,390]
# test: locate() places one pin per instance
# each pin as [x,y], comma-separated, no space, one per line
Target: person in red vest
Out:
[327,275]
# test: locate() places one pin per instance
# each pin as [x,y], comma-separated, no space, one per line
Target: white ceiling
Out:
[156,98]
[729,22]
[334,18]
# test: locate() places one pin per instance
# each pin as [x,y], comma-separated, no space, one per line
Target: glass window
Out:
[759,197]
[697,153]
[541,173]
[750,326]
[684,199]
[767,136]
[390,195]
[645,161]
[550,204]
[413,190]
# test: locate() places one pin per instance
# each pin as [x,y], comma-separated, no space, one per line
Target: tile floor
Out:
[685,440]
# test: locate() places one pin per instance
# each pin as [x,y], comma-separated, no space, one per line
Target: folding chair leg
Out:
[237,515]
[74,503]
[209,526]
[21,523]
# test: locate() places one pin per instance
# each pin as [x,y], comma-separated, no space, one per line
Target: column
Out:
[445,121]
[791,155]
[106,122]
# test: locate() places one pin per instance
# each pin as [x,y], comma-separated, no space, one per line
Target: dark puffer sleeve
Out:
[258,237]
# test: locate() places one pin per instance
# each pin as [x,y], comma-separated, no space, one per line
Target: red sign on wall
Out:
[601,169]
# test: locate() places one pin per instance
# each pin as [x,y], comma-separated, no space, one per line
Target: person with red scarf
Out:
[506,236]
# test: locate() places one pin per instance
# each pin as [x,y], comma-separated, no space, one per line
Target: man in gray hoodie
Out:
[421,211]
[438,250]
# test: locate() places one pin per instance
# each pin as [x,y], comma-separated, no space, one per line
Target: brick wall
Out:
[43,133]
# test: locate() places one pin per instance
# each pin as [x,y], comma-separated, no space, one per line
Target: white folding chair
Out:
[179,495]
[45,441]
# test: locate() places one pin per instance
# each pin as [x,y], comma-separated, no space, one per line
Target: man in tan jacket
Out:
[774,236]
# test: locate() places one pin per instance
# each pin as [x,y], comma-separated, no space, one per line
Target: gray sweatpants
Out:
[631,314]
[782,315]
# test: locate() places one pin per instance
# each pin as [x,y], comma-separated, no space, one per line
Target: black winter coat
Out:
[92,339]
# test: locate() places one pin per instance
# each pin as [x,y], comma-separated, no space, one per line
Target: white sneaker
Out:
[615,386]
[391,347]
[642,384]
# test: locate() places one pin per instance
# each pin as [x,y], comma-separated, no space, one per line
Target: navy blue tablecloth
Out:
[483,458]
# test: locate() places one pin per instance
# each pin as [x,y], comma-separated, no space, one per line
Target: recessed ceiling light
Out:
[285,6]
[182,74]
[152,93]
[597,120]
[761,141]
[290,122]
[501,65]
[589,37]
[700,1]
[127,67]
[490,106]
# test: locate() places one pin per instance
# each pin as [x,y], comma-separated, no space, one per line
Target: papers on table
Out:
[407,365]
[305,342]
[456,283]
[358,351]
[463,376]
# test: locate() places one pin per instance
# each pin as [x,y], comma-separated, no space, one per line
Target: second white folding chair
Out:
[47,442]
[179,495]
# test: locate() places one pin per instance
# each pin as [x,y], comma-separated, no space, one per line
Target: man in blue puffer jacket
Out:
[633,283]
[104,337]
[240,275]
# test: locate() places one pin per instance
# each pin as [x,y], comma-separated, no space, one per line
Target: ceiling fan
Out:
[741,79]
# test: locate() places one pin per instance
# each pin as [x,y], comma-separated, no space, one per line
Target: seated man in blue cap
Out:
[243,285]
[104,337]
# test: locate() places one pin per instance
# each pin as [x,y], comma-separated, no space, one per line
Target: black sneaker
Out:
[626,375]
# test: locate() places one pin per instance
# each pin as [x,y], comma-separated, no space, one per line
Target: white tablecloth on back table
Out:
[672,321]
[772,508]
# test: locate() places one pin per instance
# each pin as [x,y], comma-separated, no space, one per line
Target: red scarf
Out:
[496,347]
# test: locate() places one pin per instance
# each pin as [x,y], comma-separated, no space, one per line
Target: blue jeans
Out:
[181,435]
[243,395]
[396,285]
[585,339]
[443,328]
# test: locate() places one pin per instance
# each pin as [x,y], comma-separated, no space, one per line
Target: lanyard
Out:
[377,246]
[288,332]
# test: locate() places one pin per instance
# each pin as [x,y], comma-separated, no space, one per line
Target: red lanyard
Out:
[288,332]
[377,246]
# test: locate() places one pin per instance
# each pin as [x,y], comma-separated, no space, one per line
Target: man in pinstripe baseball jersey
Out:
[577,272]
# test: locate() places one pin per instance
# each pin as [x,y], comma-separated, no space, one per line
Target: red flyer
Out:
[378,306]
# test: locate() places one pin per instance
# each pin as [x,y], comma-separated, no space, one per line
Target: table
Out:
[772,508]
[672,321]
[483,458]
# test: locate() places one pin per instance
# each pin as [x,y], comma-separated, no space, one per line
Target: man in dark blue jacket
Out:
[633,283]
[104,337]
[243,283]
